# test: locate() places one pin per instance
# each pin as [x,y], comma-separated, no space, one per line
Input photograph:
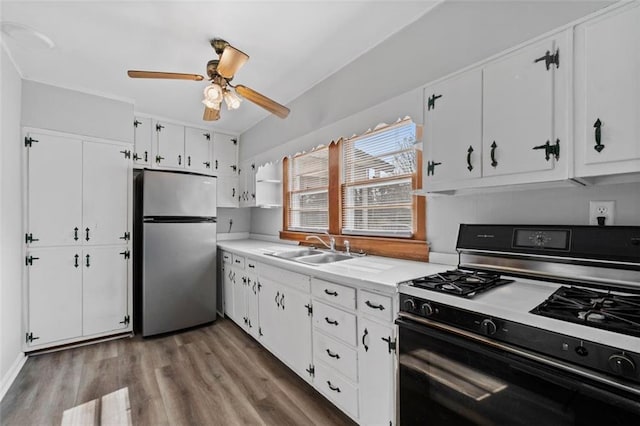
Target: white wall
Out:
[241,220]
[55,108]
[10,219]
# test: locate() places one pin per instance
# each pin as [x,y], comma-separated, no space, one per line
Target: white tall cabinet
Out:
[77,238]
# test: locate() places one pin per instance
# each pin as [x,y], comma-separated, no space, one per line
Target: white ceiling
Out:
[293,45]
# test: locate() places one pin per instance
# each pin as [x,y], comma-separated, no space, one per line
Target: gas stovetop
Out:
[460,282]
[602,309]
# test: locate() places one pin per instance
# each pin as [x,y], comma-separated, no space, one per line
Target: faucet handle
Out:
[347,246]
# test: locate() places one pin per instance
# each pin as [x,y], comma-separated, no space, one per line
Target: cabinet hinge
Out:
[431,167]
[126,254]
[136,123]
[431,102]
[29,260]
[550,150]
[29,337]
[126,236]
[159,127]
[127,153]
[126,320]
[309,309]
[235,168]
[28,141]
[311,370]
[207,135]
[28,238]
[391,343]
[235,141]
[550,59]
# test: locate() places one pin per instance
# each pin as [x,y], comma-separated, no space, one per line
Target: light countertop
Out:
[371,272]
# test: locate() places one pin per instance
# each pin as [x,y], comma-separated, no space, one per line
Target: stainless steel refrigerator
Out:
[176,257]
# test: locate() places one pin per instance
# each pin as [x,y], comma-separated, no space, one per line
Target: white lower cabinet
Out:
[340,391]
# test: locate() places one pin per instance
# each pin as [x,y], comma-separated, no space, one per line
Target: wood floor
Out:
[214,375]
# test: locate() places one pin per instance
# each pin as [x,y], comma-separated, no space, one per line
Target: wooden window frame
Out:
[412,248]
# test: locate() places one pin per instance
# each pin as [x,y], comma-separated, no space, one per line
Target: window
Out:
[377,182]
[308,194]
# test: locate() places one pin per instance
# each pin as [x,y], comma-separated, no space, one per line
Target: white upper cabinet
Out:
[607,132]
[197,144]
[518,110]
[453,129]
[169,145]
[225,155]
[54,196]
[143,136]
[105,194]
[227,191]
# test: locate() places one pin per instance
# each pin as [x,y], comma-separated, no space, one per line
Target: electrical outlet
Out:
[604,209]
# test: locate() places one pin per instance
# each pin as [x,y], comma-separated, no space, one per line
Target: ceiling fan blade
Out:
[211,114]
[166,75]
[231,61]
[262,101]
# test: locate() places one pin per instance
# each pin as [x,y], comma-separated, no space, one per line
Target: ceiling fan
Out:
[220,72]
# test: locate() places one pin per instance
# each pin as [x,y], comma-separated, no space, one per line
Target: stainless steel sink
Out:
[324,258]
[292,254]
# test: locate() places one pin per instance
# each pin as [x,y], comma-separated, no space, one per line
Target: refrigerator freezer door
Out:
[179,276]
[178,194]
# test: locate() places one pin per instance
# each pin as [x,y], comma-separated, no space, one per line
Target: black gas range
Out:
[542,321]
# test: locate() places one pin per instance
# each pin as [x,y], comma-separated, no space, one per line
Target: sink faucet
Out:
[332,241]
[347,247]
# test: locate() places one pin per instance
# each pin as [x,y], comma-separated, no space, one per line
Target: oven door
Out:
[452,377]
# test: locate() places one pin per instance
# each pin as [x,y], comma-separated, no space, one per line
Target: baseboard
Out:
[11,375]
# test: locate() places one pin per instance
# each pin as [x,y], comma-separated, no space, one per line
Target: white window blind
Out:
[309,191]
[377,175]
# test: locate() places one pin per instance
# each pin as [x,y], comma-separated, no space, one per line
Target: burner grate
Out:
[606,310]
[459,282]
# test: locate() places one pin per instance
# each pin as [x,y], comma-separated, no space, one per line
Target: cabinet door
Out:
[196,149]
[453,125]
[105,194]
[376,373]
[54,193]
[104,289]
[170,145]
[55,294]
[142,141]
[295,324]
[608,57]
[270,326]
[227,191]
[225,155]
[247,184]
[228,291]
[239,298]
[251,291]
[518,111]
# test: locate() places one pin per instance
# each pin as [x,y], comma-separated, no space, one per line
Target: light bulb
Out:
[213,93]
[209,104]
[232,100]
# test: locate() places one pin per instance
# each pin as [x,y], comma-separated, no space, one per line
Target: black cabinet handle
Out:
[364,336]
[75,233]
[88,264]
[330,293]
[598,135]
[277,301]
[330,321]
[146,156]
[75,263]
[282,301]
[374,306]
[233,192]
[189,160]
[87,237]
[332,355]
[494,163]
[469,151]
[179,160]
[216,164]
[333,388]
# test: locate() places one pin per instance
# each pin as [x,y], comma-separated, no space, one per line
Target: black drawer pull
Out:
[333,388]
[87,237]
[330,321]
[494,163]
[332,355]
[364,336]
[374,306]
[75,234]
[330,293]
[76,260]
[88,264]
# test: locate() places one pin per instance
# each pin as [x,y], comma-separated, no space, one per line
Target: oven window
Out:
[447,380]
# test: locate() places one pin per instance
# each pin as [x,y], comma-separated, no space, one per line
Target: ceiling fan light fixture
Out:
[232,100]
[212,96]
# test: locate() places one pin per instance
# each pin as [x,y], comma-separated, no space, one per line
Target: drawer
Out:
[376,305]
[252,266]
[336,355]
[334,293]
[238,261]
[335,322]
[338,390]
[292,279]
[226,258]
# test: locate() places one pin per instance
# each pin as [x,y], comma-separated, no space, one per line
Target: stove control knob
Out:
[622,365]
[410,305]
[426,309]
[488,327]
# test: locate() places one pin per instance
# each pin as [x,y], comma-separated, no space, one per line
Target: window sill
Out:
[399,248]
